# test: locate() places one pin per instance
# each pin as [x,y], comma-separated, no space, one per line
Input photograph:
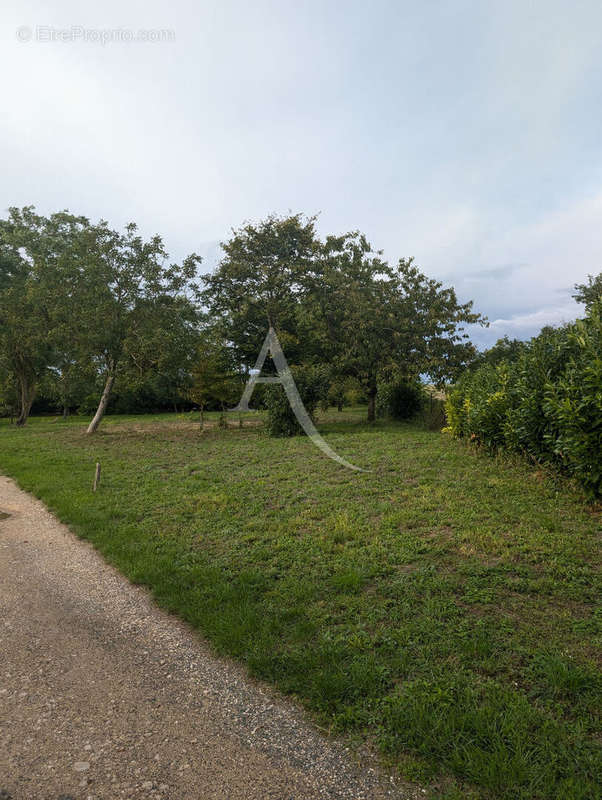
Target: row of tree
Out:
[85,306]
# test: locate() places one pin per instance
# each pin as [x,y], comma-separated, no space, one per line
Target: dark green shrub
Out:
[573,405]
[312,384]
[89,404]
[477,406]
[488,405]
[547,403]
[543,361]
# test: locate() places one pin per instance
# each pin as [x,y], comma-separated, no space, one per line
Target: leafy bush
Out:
[573,405]
[399,399]
[478,405]
[455,409]
[312,383]
[543,361]
[547,403]
[488,406]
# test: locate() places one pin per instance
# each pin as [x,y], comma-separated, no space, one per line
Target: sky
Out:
[467,134]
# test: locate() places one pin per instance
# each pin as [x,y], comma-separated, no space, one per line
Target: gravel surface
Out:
[105,696]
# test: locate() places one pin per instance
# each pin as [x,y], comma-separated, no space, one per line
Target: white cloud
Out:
[524,325]
[468,135]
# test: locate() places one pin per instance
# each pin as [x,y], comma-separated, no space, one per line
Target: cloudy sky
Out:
[467,133]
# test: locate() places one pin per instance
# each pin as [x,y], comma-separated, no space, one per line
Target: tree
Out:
[33,252]
[23,346]
[432,339]
[590,292]
[67,382]
[215,381]
[380,322]
[79,300]
[336,302]
[261,281]
[351,293]
[505,349]
[134,311]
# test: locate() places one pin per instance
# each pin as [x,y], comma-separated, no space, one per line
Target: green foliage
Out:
[143,394]
[399,399]
[431,323]
[504,349]
[80,300]
[9,401]
[380,319]
[88,404]
[547,403]
[590,292]
[215,383]
[85,308]
[312,383]
[336,301]
[543,362]
[335,396]
[132,310]
[262,280]
[488,404]
[573,404]
[33,253]
[456,408]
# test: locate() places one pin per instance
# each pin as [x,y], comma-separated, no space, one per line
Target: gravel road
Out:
[105,696]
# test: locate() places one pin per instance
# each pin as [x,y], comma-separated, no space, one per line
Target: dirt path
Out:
[105,696]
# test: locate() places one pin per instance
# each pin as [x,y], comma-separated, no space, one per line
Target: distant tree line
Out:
[93,319]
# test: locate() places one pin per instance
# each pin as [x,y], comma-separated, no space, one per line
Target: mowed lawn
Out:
[445,605]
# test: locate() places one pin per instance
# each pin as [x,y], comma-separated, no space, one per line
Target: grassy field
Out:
[443,605]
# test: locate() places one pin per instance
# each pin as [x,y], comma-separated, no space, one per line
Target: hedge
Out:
[546,404]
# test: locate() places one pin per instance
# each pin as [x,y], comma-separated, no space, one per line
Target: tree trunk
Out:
[372,404]
[27,393]
[102,406]
[202,418]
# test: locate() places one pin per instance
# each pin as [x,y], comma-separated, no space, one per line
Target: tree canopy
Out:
[87,311]
[77,296]
[590,292]
[337,301]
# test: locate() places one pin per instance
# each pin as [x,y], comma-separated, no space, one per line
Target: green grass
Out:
[443,605]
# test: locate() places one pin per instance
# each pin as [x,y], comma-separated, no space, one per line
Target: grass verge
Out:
[443,605]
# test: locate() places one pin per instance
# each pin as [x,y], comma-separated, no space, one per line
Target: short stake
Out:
[96,477]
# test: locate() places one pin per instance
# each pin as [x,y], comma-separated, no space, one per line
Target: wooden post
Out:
[96,476]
